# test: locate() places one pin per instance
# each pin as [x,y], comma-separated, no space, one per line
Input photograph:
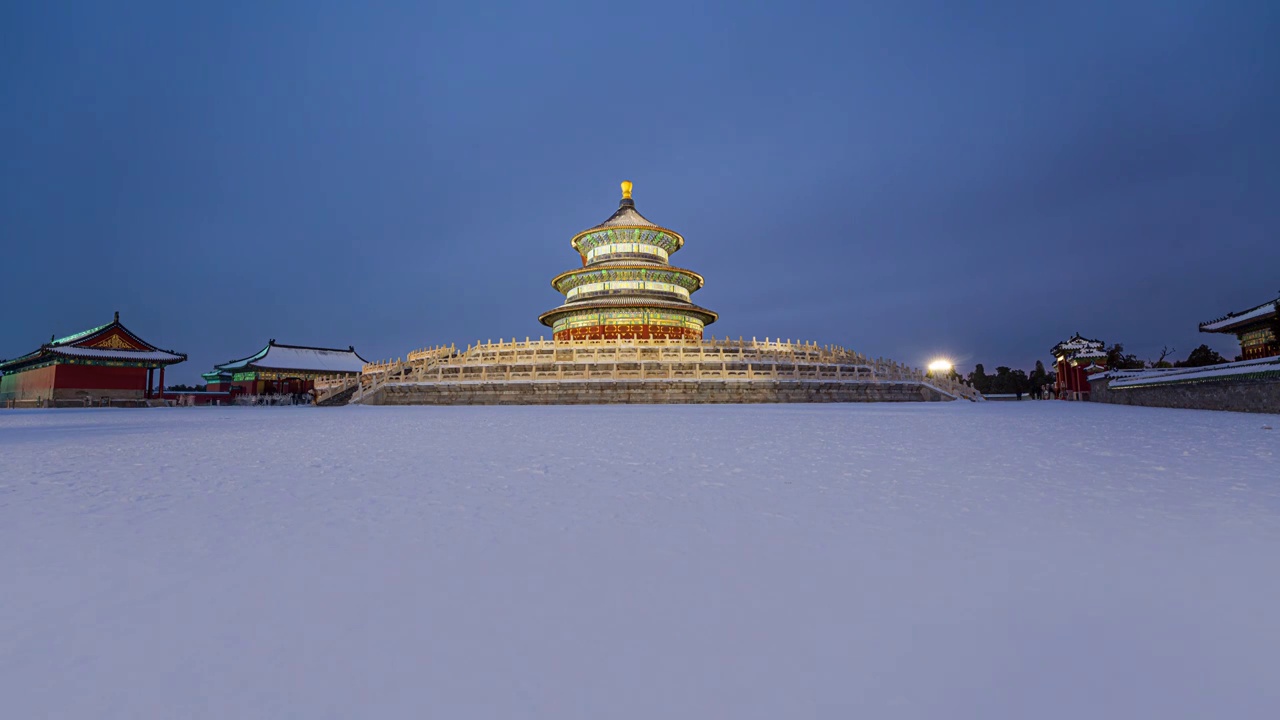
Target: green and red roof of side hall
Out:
[112,342]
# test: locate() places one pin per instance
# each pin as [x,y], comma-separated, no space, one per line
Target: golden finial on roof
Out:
[626,189]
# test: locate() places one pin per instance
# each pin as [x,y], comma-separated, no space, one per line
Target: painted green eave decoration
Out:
[77,336]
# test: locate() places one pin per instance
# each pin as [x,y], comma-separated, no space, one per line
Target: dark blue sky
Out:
[905,180]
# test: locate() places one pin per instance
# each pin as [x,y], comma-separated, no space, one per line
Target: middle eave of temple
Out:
[613,267]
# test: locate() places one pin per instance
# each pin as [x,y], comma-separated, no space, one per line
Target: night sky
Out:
[905,181]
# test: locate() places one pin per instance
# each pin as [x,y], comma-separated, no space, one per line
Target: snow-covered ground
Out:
[998,560]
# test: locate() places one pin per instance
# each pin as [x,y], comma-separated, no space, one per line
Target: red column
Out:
[161,381]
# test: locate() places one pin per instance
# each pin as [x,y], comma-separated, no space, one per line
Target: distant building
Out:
[282,369]
[1077,359]
[1257,329]
[100,366]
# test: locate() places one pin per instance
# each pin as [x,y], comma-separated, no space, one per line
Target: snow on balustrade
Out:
[542,360]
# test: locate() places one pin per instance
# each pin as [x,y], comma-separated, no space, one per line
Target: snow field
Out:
[998,560]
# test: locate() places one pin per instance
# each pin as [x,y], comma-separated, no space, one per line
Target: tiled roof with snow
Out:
[114,341]
[109,354]
[1079,347]
[1159,376]
[1232,320]
[302,358]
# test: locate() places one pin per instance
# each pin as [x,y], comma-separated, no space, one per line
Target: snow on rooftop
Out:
[1079,347]
[954,560]
[1261,311]
[1156,376]
[132,355]
[316,359]
[286,357]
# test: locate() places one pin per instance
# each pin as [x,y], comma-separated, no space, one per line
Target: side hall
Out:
[102,366]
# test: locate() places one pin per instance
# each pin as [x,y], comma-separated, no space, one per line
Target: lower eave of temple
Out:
[704,315]
[707,317]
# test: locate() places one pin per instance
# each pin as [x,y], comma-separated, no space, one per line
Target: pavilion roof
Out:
[277,356]
[1079,346]
[112,341]
[625,216]
[1231,321]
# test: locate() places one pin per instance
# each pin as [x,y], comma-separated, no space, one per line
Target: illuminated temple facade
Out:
[627,288]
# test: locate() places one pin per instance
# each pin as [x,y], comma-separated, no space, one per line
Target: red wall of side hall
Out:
[93,377]
[30,384]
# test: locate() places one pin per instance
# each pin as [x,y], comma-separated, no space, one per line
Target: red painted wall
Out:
[93,377]
[28,385]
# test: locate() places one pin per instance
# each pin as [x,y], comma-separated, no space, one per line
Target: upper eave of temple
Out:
[627,217]
[1232,321]
[112,341]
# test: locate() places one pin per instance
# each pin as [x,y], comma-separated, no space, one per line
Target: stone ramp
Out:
[340,398]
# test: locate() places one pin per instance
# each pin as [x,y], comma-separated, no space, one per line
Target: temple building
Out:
[629,332]
[1257,329]
[1077,359]
[279,369]
[627,288]
[104,365]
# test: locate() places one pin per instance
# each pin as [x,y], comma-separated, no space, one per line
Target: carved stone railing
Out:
[723,359]
[327,386]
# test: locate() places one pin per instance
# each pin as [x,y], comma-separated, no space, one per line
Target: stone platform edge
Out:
[649,392]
